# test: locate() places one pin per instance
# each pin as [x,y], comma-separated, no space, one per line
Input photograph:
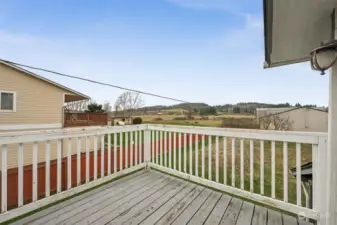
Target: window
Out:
[7,101]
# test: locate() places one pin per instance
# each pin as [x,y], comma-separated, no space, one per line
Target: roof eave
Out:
[46,80]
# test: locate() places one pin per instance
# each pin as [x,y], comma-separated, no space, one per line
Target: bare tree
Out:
[278,122]
[128,102]
[107,106]
[281,123]
[265,122]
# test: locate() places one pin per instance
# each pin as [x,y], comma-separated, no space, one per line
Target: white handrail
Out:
[170,149]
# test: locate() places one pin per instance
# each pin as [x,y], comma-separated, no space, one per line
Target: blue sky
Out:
[196,50]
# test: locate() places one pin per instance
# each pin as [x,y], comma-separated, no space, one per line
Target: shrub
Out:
[137,120]
[157,119]
[180,118]
[243,123]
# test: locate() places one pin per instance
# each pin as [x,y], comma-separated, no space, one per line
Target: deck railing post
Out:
[147,150]
[320,170]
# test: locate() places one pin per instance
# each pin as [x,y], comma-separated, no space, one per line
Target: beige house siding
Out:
[37,103]
[305,119]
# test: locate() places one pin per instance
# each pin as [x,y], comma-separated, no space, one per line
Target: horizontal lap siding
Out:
[37,102]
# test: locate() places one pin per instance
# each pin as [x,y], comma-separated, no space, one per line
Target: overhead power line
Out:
[92,81]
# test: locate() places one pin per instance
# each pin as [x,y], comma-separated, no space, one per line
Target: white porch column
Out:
[332,147]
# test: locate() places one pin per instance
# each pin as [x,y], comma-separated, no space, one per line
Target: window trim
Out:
[14,101]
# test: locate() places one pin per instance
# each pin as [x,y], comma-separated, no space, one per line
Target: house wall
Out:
[305,119]
[262,112]
[39,106]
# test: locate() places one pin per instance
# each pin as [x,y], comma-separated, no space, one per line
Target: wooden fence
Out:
[85,119]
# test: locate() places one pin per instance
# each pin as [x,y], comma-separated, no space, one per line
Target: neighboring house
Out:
[262,112]
[298,119]
[31,102]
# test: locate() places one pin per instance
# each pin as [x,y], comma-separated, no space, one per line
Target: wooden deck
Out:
[150,197]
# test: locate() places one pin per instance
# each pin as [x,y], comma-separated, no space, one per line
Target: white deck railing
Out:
[252,164]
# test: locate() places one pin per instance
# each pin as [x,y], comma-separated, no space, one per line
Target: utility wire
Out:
[91,81]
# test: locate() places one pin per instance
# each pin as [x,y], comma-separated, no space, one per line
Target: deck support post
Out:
[331,217]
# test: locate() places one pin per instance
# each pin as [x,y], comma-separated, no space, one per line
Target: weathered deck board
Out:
[71,214]
[81,199]
[246,214]
[161,206]
[151,197]
[219,210]
[104,216]
[274,218]
[171,215]
[203,212]
[232,212]
[260,216]
[168,191]
[187,214]
[95,212]
[289,220]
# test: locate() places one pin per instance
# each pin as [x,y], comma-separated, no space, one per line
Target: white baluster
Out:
[170,149]
[262,167]
[209,157]
[273,169]
[196,155]
[131,149]
[179,151]
[95,156]
[285,171]
[79,146]
[185,153]
[174,151]
[251,156]
[298,175]
[4,178]
[48,168]
[126,149]
[69,164]
[102,155]
[203,156]
[165,149]
[225,160]
[59,165]
[20,175]
[35,178]
[233,162]
[87,159]
[161,148]
[109,154]
[115,152]
[120,151]
[242,182]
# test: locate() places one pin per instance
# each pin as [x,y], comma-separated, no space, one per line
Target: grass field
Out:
[212,121]
[306,156]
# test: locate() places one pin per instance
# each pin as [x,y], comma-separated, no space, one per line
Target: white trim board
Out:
[10,127]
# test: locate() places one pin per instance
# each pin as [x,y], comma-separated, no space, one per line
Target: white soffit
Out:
[292,28]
